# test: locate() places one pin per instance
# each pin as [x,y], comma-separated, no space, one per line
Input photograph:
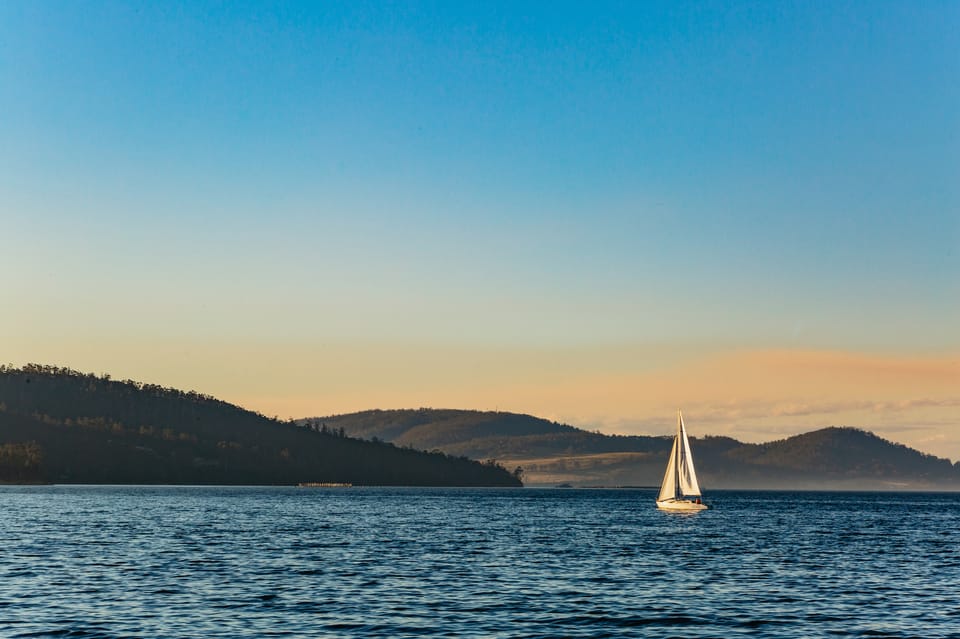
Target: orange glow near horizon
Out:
[752,395]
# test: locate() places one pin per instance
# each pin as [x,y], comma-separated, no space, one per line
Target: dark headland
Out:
[61,426]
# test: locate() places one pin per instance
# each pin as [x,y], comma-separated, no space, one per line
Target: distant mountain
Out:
[59,425]
[552,453]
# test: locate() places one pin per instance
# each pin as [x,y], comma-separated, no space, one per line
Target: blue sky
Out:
[490,175]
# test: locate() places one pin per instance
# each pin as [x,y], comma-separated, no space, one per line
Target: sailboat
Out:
[680,480]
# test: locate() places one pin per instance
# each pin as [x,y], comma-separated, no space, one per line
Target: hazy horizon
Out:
[589,214]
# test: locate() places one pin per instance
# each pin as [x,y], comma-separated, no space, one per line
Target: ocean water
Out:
[85,562]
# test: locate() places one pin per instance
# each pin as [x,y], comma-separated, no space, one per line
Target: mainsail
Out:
[688,476]
[680,475]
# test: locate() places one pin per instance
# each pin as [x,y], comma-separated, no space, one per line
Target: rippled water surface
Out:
[353,562]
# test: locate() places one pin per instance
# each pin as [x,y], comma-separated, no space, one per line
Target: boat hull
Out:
[684,505]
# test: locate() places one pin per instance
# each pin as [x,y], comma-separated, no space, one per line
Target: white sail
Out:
[688,476]
[668,489]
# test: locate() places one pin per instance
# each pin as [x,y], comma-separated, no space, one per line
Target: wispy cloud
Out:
[759,409]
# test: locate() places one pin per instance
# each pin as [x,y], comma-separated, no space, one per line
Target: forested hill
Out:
[558,453]
[59,425]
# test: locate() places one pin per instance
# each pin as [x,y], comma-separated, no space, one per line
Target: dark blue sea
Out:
[105,562]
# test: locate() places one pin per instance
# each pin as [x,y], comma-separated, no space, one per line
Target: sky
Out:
[590,212]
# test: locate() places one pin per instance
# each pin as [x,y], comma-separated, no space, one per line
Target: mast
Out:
[679,463]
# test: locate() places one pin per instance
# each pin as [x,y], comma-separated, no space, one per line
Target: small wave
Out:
[628,622]
[759,623]
[68,633]
[667,620]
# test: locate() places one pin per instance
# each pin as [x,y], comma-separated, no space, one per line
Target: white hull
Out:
[680,504]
